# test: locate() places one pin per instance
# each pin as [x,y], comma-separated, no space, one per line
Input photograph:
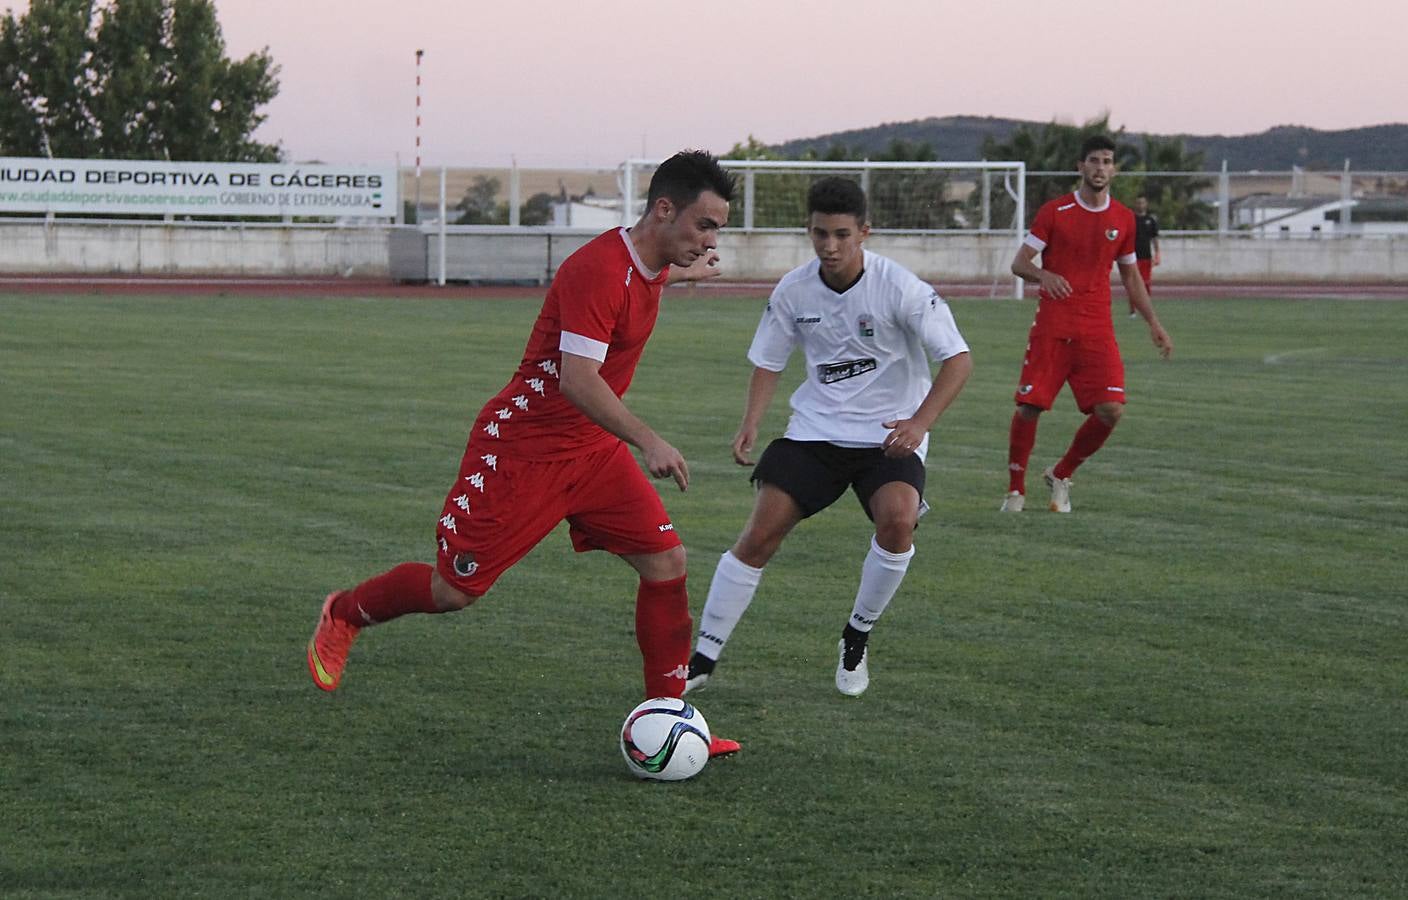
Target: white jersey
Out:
[867,350]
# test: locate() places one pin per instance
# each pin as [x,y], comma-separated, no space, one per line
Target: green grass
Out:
[1194,686]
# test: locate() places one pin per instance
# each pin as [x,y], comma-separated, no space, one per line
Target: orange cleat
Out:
[328,648]
[722,747]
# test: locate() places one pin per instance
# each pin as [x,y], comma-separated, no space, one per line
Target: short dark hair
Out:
[1096,142]
[835,195]
[686,175]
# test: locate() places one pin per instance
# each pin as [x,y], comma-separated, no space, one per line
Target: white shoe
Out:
[853,682]
[1060,491]
[695,683]
[1013,502]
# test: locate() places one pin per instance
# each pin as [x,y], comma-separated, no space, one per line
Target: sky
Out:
[593,82]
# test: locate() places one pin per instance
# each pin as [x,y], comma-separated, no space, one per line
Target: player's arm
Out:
[1134,286]
[1158,257]
[1024,267]
[581,383]
[909,433]
[761,388]
[703,268]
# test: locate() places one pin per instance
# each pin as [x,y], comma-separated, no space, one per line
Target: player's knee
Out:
[446,596]
[667,565]
[1028,412]
[896,535]
[1109,413]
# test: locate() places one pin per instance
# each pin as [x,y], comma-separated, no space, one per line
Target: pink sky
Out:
[591,82]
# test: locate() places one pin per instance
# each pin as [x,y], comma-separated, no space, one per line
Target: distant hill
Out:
[1381,147]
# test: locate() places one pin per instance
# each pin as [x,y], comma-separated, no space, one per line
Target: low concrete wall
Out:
[1197,258]
[532,255]
[69,249]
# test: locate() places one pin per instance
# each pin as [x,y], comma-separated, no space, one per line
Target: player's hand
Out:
[743,445]
[661,459]
[1054,285]
[903,440]
[1161,340]
[703,268]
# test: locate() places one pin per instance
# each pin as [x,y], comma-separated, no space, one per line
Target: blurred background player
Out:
[552,445]
[867,328]
[1072,340]
[1146,247]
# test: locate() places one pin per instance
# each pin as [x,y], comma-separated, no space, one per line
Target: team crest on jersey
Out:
[865,327]
[1111,233]
[465,565]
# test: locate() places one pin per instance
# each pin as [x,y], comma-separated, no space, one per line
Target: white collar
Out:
[635,257]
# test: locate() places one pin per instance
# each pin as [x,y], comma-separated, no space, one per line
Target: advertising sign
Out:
[130,187]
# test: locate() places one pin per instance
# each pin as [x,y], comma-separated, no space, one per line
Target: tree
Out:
[480,204]
[1055,148]
[130,79]
[906,198]
[1173,197]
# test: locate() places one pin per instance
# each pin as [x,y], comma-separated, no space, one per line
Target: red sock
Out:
[1021,438]
[1089,437]
[405,589]
[663,631]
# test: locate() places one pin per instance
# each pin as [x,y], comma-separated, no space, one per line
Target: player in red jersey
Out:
[552,445]
[1072,341]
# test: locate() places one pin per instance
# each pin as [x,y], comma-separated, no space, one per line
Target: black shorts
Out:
[817,473]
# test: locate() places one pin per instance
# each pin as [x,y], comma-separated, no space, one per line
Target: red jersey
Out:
[603,304]
[1080,244]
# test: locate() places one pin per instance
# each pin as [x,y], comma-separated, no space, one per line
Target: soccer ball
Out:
[665,739]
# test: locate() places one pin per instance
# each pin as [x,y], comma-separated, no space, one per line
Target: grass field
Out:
[1195,686]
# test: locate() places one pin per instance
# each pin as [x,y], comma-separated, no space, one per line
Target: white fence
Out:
[948,222]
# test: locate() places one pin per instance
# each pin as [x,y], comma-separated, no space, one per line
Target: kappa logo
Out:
[492,429]
[629,271]
[465,564]
[448,521]
[1066,207]
[521,402]
[550,367]
[491,461]
[1111,233]
[462,501]
[668,526]
[536,384]
[679,671]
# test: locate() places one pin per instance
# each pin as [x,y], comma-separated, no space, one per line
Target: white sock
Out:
[880,578]
[729,595]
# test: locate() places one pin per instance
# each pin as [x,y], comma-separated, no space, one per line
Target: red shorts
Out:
[501,508]
[1146,272]
[1092,366]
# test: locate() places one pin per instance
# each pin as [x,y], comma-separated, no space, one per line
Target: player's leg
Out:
[1146,274]
[482,531]
[795,479]
[735,581]
[890,493]
[615,508]
[1097,380]
[1044,368]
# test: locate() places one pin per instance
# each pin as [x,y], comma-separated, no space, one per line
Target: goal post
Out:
[979,198]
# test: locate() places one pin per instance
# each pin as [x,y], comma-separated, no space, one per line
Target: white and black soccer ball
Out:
[665,739]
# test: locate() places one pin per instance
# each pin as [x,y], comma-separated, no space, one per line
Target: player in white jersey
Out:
[868,329]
